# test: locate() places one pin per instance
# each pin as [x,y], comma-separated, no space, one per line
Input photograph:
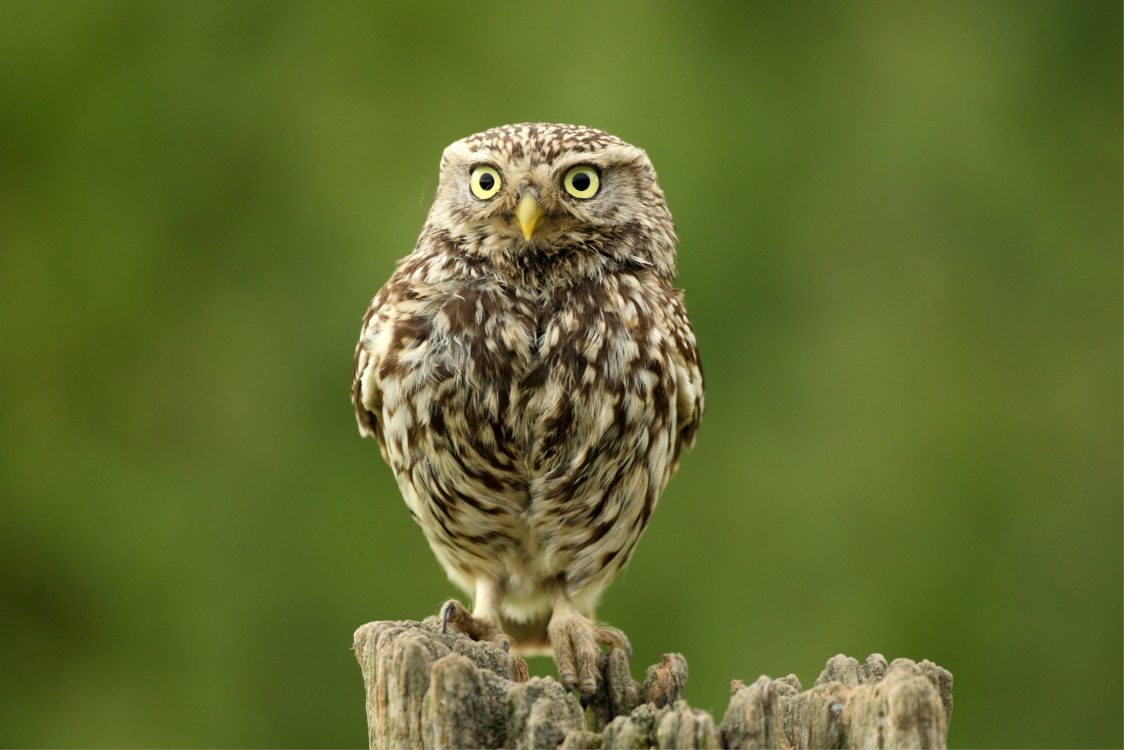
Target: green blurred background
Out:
[900,235]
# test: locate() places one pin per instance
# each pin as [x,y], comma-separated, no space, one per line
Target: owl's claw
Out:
[577,649]
[447,611]
[476,628]
[614,638]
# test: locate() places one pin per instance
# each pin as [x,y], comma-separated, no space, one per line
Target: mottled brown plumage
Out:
[531,375]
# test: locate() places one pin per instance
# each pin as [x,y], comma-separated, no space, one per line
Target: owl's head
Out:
[550,191]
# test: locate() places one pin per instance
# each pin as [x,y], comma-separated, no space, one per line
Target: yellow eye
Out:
[485,181]
[582,181]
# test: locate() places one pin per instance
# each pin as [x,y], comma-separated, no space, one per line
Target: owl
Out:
[531,377]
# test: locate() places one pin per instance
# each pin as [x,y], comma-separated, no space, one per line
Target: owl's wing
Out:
[688,378]
[365,394]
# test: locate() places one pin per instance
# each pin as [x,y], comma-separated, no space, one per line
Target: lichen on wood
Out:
[429,689]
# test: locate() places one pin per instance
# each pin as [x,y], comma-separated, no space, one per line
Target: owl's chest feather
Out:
[519,368]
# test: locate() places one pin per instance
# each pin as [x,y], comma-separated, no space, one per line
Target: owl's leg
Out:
[483,624]
[577,643]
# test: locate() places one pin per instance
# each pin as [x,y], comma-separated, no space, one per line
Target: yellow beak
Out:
[528,214]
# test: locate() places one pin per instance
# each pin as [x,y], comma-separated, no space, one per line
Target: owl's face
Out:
[550,187]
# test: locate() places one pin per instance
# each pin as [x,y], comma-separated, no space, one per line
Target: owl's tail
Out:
[529,637]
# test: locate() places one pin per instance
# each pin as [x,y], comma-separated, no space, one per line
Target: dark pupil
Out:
[580,181]
[487,181]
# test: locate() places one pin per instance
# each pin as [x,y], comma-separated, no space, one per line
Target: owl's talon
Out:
[476,628]
[577,646]
[614,638]
[448,609]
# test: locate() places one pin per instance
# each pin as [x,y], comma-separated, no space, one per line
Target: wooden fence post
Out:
[426,689]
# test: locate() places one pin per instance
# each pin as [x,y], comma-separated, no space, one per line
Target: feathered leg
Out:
[577,643]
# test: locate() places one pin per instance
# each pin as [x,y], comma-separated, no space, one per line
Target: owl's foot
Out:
[577,643]
[477,628]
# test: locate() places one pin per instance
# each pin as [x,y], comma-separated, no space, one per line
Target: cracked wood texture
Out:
[427,689]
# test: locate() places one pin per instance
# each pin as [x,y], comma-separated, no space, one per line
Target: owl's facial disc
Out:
[528,213]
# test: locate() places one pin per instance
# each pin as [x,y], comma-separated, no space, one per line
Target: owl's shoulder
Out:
[389,324]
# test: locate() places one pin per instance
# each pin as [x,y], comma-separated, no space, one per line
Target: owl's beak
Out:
[528,214]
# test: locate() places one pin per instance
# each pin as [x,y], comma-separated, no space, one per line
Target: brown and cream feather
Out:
[532,396]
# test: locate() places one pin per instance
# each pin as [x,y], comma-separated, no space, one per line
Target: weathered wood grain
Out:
[426,689]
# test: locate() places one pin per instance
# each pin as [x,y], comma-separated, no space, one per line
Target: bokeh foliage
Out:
[901,242]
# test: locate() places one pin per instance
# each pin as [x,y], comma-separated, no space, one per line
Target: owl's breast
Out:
[528,425]
[600,381]
[446,362]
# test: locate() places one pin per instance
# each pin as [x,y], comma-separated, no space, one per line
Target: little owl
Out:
[531,376]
